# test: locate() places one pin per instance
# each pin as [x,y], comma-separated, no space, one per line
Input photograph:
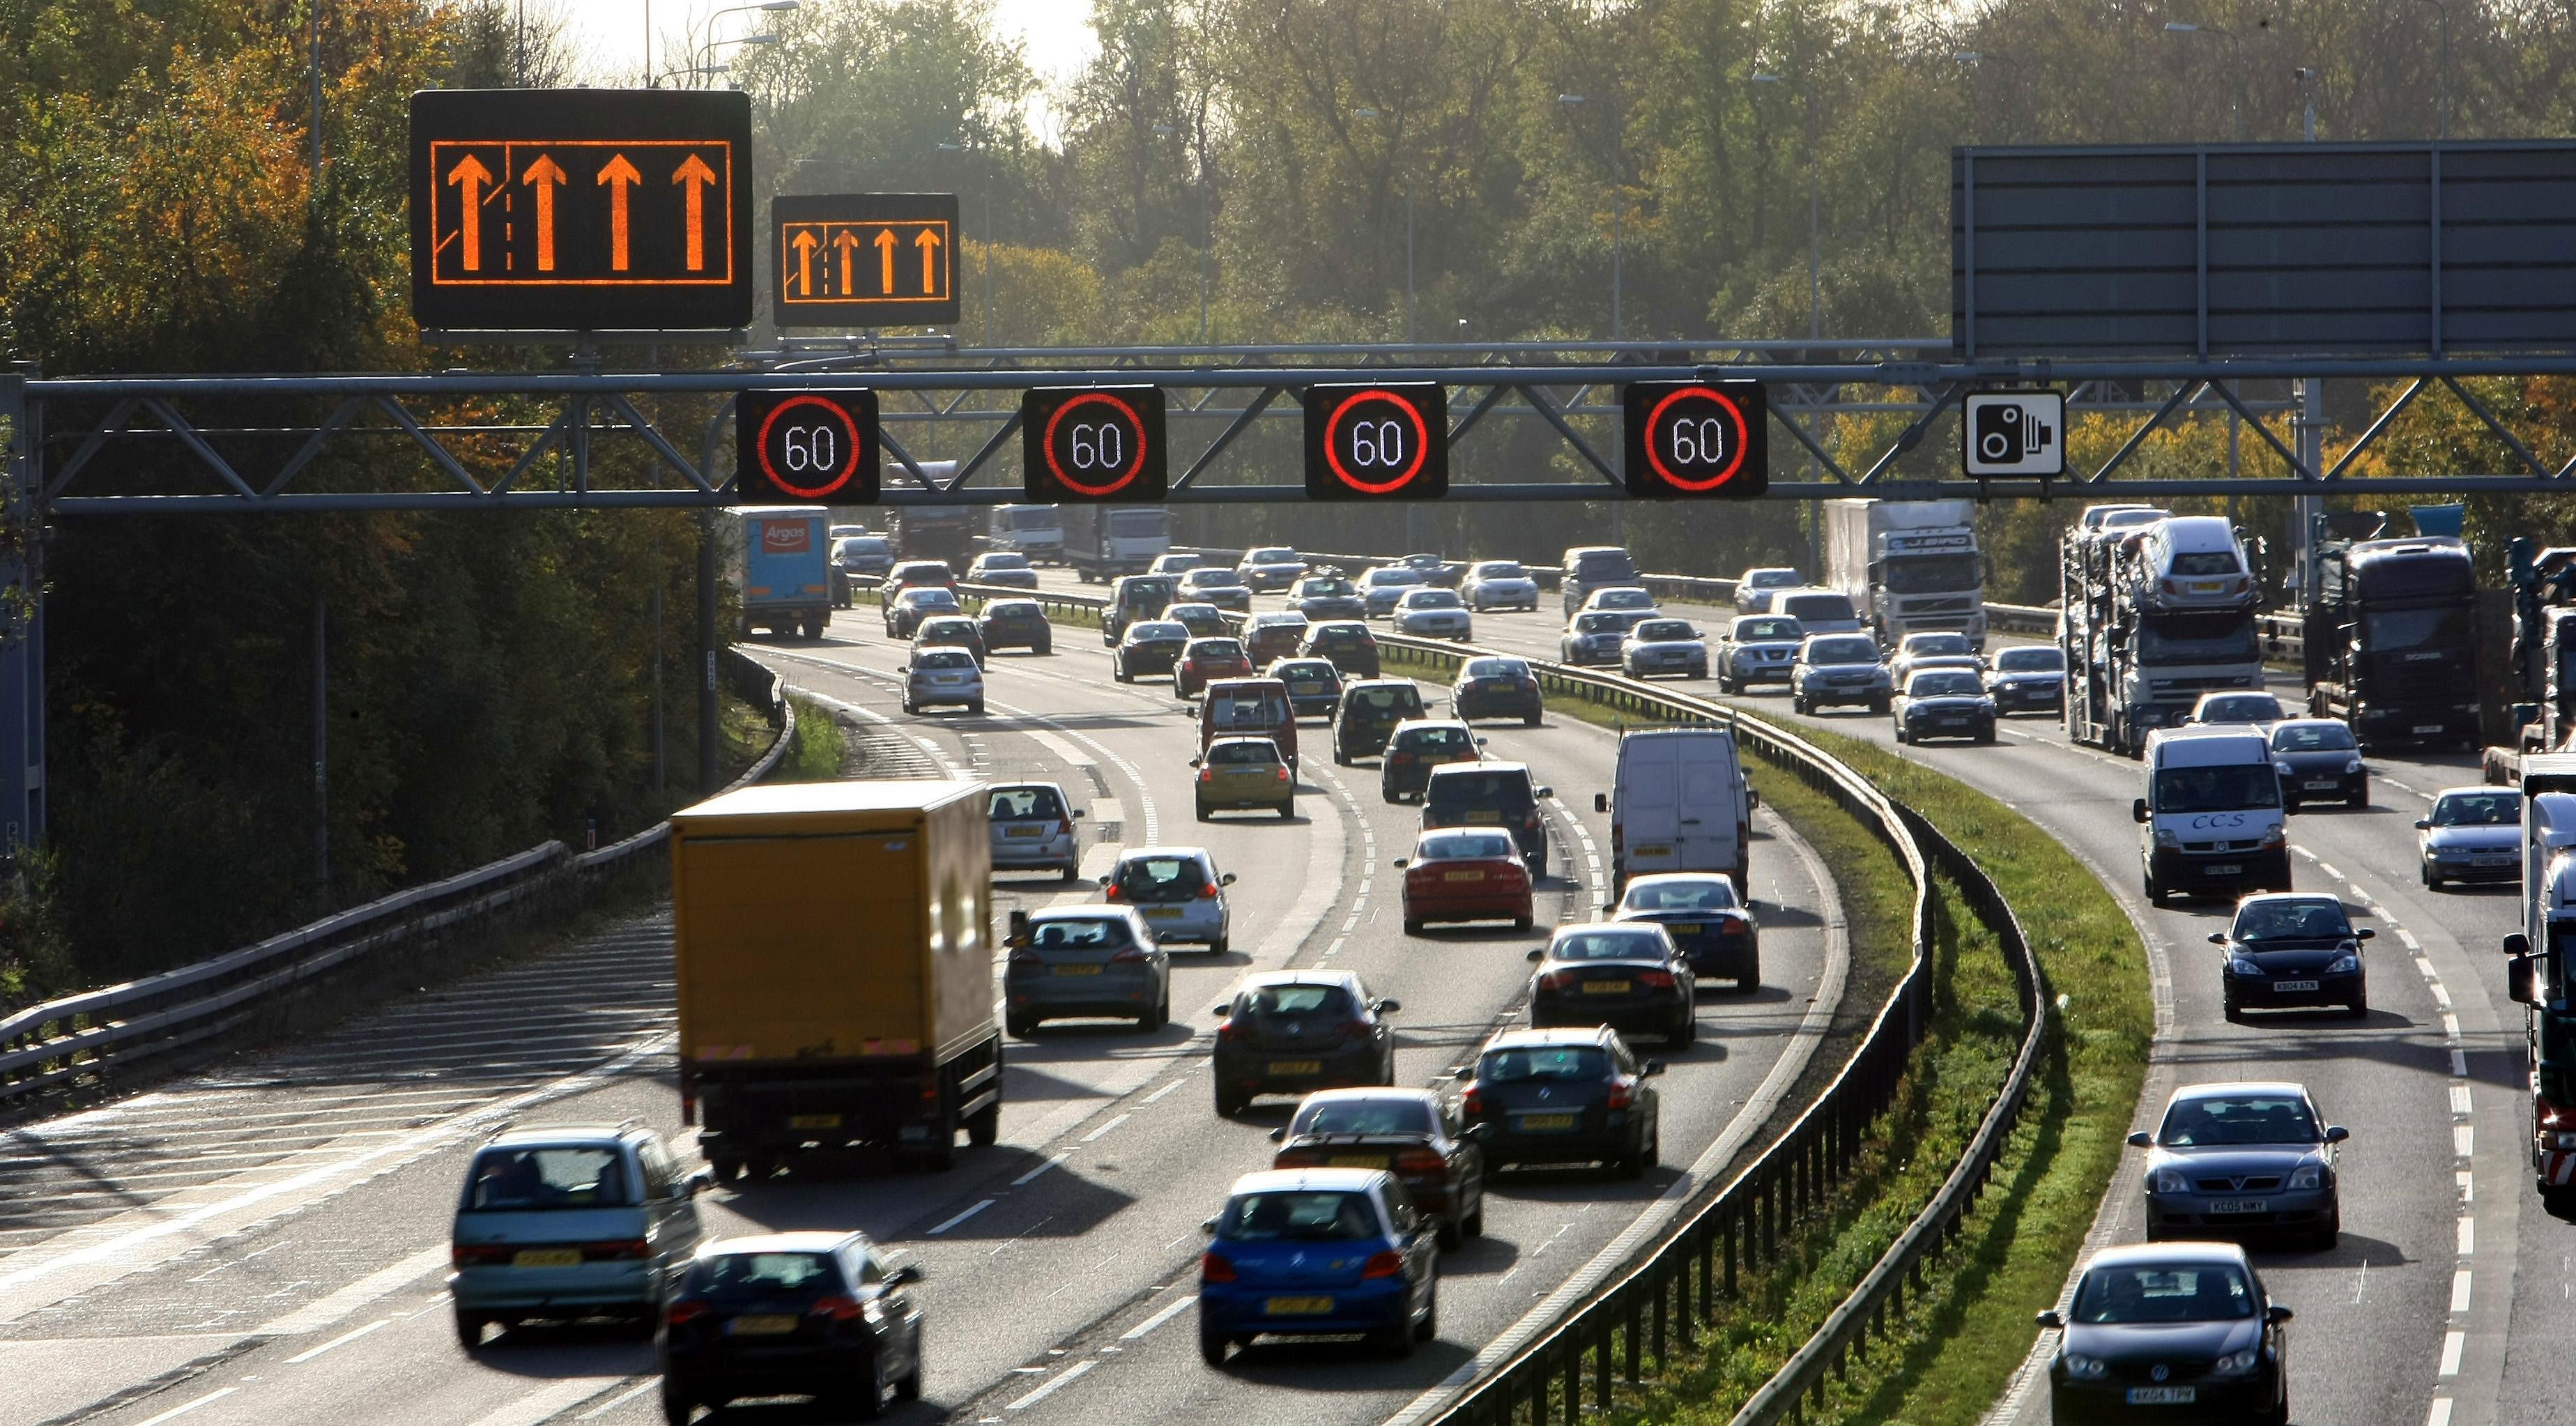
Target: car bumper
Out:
[1191,925]
[1506,598]
[1277,797]
[2337,787]
[1580,1146]
[1487,705]
[2188,1215]
[1016,852]
[2073,1402]
[1468,906]
[825,1371]
[1975,725]
[1825,694]
[1345,1065]
[2467,869]
[1621,1013]
[1666,668]
[1721,959]
[939,695]
[1238,1310]
[589,1286]
[2264,992]
[2010,699]
[1041,993]
[1759,673]
[2181,871]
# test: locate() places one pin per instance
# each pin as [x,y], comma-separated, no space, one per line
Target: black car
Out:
[1943,703]
[1288,1032]
[2319,762]
[1715,931]
[2027,679]
[1412,1133]
[2291,948]
[1564,1097]
[2170,1332]
[791,1314]
[1321,597]
[1017,624]
[1627,975]
[1370,709]
[1347,643]
[1496,688]
[1416,748]
[1314,685]
[1490,794]
[1149,649]
[1221,587]
[954,631]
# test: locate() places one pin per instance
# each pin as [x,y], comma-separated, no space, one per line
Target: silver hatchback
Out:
[564,1221]
[1033,829]
[1085,962]
[1179,892]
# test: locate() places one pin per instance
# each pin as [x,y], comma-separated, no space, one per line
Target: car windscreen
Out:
[2210,1120]
[1006,561]
[1938,645]
[1499,569]
[1140,591]
[1431,599]
[1132,523]
[2478,809]
[1698,894]
[1818,608]
[1389,578]
[1931,574]
[1478,788]
[1361,1116]
[514,1179]
[740,1277]
[2241,708]
[1663,631]
[2312,738]
[1624,599]
[1025,804]
[2306,919]
[1603,565]
[1943,683]
[1324,588]
[1526,1063]
[1599,624]
[1399,699]
[1151,878]
[1463,846]
[1034,520]
[1298,1215]
[1243,753]
[1073,933]
[1211,579]
[1853,650]
[1773,579]
[2225,788]
[2033,660]
[1274,555]
[1607,945]
[1749,631]
[2141,1293]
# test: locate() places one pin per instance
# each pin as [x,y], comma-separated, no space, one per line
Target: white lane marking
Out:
[2460,1063]
[1042,1393]
[1158,1319]
[316,1315]
[2460,1290]
[551,1402]
[2452,1342]
[2329,870]
[2464,1139]
[1030,1177]
[2468,1186]
[342,1340]
[1105,1128]
[175,1412]
[2441,995]
[2424,968]
[2361,1280]
[2302,851]
[2460,1099]
[979,1207]
[2451,1027]
[620,1399]
[2407,939]
[2440,1412]
[1158,1094]
[2468,1236]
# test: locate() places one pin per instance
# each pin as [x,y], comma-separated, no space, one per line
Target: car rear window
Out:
[541,1178]
[1401,699]
[1013,609]
[1006,561]
[1025,804]
[1344,639]
[1436,740]
[2138,1292]
[1624,599]
[1305,671]
[1494,668]
[1147,633]
[1301,1215]
[1480,789]
[1522,1064]
[944,658]
[1607,945]
[1708,894]
[1246,753]
[1324,588]
[740,1276]
[1089,931]
[1362,1116]
[1217,649]
[2206,563]
[1463,846]
[1300,1000]
[1854,650]
[1817,607]
[2038,660]
[1161,878]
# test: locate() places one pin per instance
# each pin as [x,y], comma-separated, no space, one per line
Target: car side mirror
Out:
[1079,815]
[2138,810]
[697,1182]
[2423,824]
[2517,944]
[2142,1140]
[2051,1318]
[1542,792]
[1279,1135]
[1752,795]
[2364,934]
[1194,762]
[1019,935]
[1650,1069]
[1386,1007]
[1538,955]
[1601,802]
[2336,1133]
[1208,1226]
[1480,742]
[1223,1008]
[904,1276]
[1402,862]
[1104,881]
[1226,880]
[2276,1314]
[2218,938]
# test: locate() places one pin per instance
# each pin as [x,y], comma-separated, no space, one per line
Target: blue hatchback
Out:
[1318,1253]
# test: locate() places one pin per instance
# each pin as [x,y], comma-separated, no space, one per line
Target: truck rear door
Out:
[801,947]
[1648,804]
[1712,803]
[785,559]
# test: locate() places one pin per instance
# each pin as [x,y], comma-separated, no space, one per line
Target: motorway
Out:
[263,1244]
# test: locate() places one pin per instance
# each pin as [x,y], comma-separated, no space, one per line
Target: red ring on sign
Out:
[1135,423]
[849,427]
[1743,435]
[1333,456]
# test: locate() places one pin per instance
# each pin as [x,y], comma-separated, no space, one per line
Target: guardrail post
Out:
[1707,1276]
[1636,1321]
[1682,1304]
[1601,1366]
[1731,1221]
[1573,1379]
[1663,1311]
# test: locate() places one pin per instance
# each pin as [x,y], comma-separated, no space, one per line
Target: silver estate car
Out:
[1178,890]
[564,1221]
[1033,829]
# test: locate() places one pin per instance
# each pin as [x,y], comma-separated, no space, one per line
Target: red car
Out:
[1465,874]
[1204,659]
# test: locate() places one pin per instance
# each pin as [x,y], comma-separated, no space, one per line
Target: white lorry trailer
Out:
[1909,566]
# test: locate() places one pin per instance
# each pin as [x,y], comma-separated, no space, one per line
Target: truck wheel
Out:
[983,1130]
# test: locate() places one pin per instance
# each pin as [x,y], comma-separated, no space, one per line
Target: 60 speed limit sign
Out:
[1380,441]
[1691,440]
[1083,444]
[806,447]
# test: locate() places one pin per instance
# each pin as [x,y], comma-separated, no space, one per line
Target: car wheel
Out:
[1451,1235]
[1428,1329]
[1751,980]
[1220,945]
[1412,927]
[1530,719]
[1020,1027]
[1798,704]
[1045,647]
[1156,1018]
[1118,673]
[1212,1345]
[1878,703]
[1900,732]
[2360,797]
[2424,872]
[2229,1008]
[1072,872]
[1229,1102]
[1396,1341]
[1202,811]
[2358,1007]
[1476,1221]
[865,1401]
[1521,923]
[2332,1233]
[469,1329]
[1686,1030]
[2155,893]
[676,1406]
[910,707]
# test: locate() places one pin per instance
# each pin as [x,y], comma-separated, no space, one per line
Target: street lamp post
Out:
[2236,83]
[706,46]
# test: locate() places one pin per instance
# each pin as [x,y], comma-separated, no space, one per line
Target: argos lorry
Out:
[777,560]
[835,971]
[1908,566]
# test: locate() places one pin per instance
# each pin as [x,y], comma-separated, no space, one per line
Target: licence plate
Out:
[2428,727]
[2284,987]
[2163,1395]
[764,1325]
[1298,1306]
[1484,816]
[1605,987]
[1306,689]
[2319,784]
[1654,849]
[2491,861]
[2227,869]
[546,1258]
[814,1121]
[1296,1066]
[2240,1205]
[1025,832]
[1162,913]
[1077,970]
[1463,876]
[1686,928]
[1547,1121]
[1358,1161]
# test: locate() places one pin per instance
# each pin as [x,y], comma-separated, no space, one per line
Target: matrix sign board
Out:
[1090,444]
[806,448]
[1695,440]
[1377,441]
[866,259]
[581,210]
[2014,433]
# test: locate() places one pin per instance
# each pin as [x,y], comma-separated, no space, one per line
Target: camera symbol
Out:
[2005,433]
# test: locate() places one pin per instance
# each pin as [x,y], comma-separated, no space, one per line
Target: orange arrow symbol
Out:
[805,246]
[847,243]
[620,177]
[886,244]
[694,176]
[928,242]
[545,176]
[471,176]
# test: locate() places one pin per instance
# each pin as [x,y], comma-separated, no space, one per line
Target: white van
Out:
[1033,530]
[1680,803]
[2212,816]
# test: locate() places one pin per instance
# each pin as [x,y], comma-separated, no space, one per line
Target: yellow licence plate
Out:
[1077,970]
[546,1258]
[1484,816]
[1686,928]
[1162,913]
[1605,987]
[1547,1121]
[766,1325]
[1464,876]
[1358,1161]
[1298,1306]
[1654,849]
[814,1121]
[1296,1066]
[1024,831]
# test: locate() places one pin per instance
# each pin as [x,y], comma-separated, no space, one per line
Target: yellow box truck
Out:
[835,969]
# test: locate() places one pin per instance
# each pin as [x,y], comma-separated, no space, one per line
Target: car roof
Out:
[1055,787]
[2310,723]
[2268,897]
[1385,682]
[1264,980]
[1463,769]
[1563,1035]
[2475,787]
[566,1132]
[1432,723]
[2148,1254]
[2219,1088]
[1091,911]
[809,1240]
[1247,685]
[1373,1091]
[1197,639]
[1286,1180]
[1133,853]
[1263,739]
[2223,693]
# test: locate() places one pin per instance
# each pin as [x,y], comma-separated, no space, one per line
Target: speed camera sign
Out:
[2014,433]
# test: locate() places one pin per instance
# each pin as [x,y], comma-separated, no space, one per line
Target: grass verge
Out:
[815,755]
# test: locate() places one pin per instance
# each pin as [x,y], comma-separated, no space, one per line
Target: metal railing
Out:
[1661,1298]
[95,1035]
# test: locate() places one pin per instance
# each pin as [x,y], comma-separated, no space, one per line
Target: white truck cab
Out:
[2211,819]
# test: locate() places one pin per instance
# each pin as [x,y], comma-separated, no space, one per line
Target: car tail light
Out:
[1283,772]
[1385,1263]
[930,1092]
[1531,821]
[1471,1100]
[1298,1159]
[1399,757]
[618,1250]
[1207,891]
[478,1255]
[1618,840]
[1207,774]
[1732,930]
[1113,892]
[1660,979]
[1623,1092]
[1215,1269]
[1232,1030]
[1556,980]
[1063,827]
[684,1311]
[1420,1161]
[1026,958]
[1132,953]
[836,1307]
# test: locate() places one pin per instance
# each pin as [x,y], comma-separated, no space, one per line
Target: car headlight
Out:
[2169,1181]
[2313,1176]
[2352,766]
[2236,1363]
[2078,1364]
[2284,769]
[2239,965]
[2344,964]
[2274,836]
[2166,838]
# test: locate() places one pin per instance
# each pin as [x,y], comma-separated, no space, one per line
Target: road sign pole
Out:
[22,631]
[710,728]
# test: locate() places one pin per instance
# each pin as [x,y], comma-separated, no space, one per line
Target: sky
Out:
[610,36]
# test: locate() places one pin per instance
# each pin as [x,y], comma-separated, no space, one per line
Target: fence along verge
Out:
[45,1048]
[1663,1296]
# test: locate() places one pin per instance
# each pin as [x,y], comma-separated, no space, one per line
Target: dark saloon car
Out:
[1943,703]
[1221,587]
[1624,974]
[1415,748]
[1490,794]
[2031,678]
[1348,644]
[2472,834]
[1151,647]
[1016,624]
[1460,875]
[1314,685]
[1496,688]
[1411,1133]
[792,1314]
[1369,711]
[1713,928]
[1327,596]
[1290,1032]
[2291,948]
[1274,635]
[1202,619]
[2319,762]
[2254,1159]
[1318,1252]
[1564,1097]
[953,631]
[1203,661]
[2170,1332]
